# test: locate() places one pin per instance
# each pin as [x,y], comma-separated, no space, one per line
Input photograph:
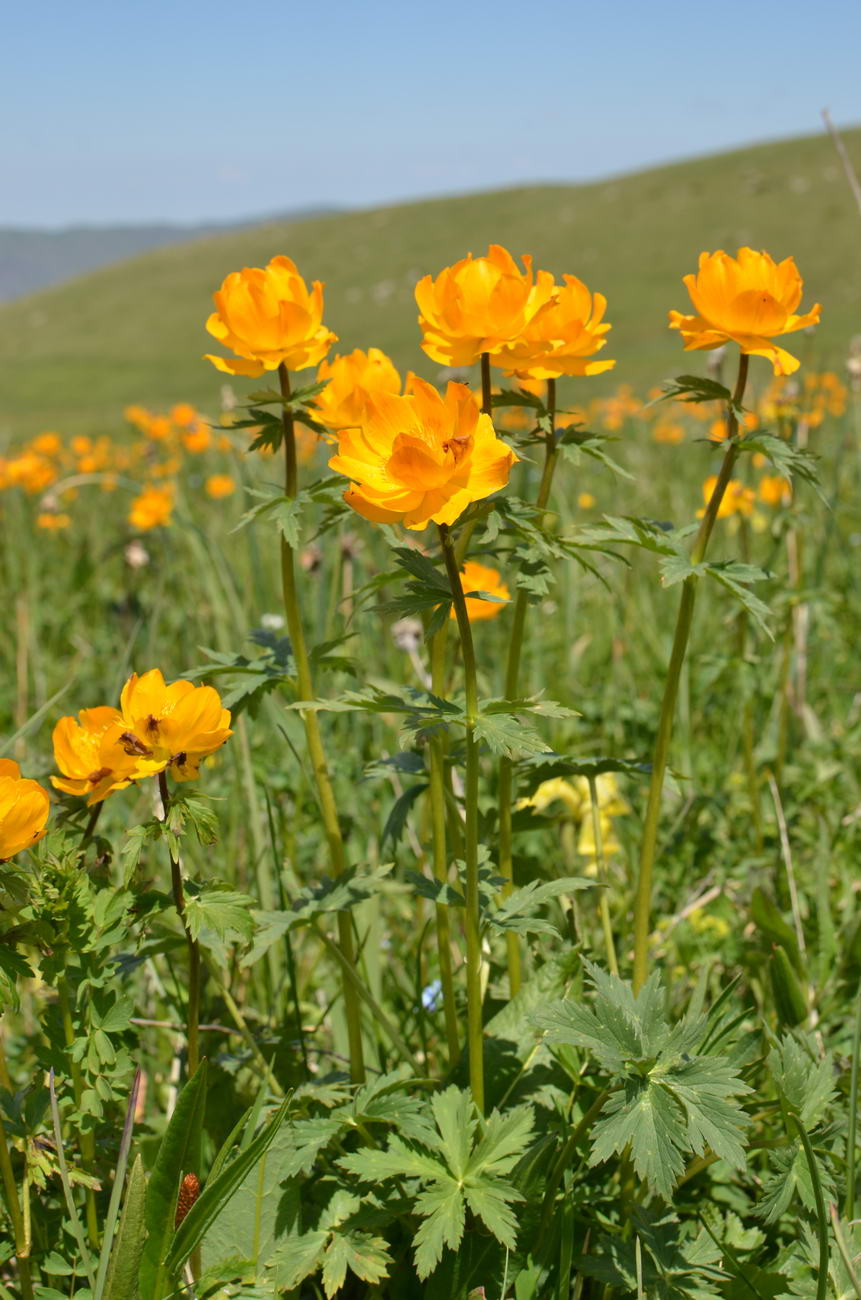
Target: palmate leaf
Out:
[668,1103]
[805,1082]
[696,388]
[459,1166]
[786,458]
[339,1243]
[221,911]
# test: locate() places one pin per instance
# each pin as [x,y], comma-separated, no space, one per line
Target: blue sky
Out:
[194,111]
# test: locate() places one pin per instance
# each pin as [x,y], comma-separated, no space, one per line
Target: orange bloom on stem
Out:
[774,490]
[350,379]
[749,299]
[561,337]
[220,485]
[421,458]
[480,304]
[92,754]
[477,577]
[151,508]
[172,726]
[267,316]
[24,808]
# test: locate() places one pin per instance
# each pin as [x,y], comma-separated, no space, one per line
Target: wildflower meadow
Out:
[429,808]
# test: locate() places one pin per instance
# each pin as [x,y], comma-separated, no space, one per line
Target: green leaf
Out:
[121,1282]
[179,1154]
[220,911]
[506,736]
[218,1192]
[518,912]
[696,388]
[396,821]
[667,1103]
[787,459]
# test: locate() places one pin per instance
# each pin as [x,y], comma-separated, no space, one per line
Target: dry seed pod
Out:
[189,1190]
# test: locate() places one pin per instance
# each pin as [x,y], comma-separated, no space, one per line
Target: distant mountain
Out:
[36,259]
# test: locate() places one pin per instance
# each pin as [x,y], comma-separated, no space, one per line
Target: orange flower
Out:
[93,755]
[220,485]
[737,499]
[24,808]
[476,577]
[267,317]
[749,299]
[351,378]
[47,444]
[183,415]
[198,438]
[50,521]
[151,508]
[479,305]
[171,726]
[774,490]
[561,337]
[421,458]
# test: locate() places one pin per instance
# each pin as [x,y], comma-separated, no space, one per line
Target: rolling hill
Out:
[71,357]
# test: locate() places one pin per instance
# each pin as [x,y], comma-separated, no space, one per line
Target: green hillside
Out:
[72,357]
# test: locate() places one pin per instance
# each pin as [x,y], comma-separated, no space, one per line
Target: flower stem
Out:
[314,739]
[601,866]
[512,676]
[192,1018]
[440,852]
[684,619]
[475,1038]
[22,1245]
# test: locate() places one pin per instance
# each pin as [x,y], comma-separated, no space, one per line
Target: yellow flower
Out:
[749,299]
[24,808]
[585,500]
[92,754]
[421,458]
[171,726]
[219,485]
[267,317]
[479,305]
[561,337]
[586,845]
[151,508]
[737,499]
[475,577]
[557,789]
[350,379]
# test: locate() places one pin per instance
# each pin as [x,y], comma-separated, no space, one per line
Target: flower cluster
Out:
[524,322]
[158,727]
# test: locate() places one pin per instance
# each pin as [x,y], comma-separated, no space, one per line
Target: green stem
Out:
[684,619]
[314,740]
[512,676]
[87,1139]
[851,1181]
[192,1018]
[440,852]
[747,730]
[22,1245]
[475,1037]
[821,1216]
[603,901]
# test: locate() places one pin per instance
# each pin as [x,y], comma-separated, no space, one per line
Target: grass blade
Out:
[121,1282]
[117,1192]
[74,1220]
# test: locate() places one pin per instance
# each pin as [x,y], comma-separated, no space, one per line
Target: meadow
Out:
[452,888]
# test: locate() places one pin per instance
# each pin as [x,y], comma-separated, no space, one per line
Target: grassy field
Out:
[305,981]
[73,357]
